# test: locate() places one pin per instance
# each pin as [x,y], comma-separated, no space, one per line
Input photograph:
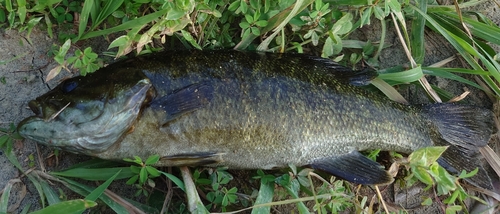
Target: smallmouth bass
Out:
[246,111]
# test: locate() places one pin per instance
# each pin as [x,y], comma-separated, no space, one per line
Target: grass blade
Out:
[100,189]
[72,206]
[466,51]
[84,18]
[417,36]
[4,199]
[446,73]
[50,194]
[478,29]
[85,190]
[95,163]
[388,90]
[108,9]
[99,174]
[125,26]
[410,75]
[266,193]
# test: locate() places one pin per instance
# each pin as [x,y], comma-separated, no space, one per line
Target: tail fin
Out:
[464,129]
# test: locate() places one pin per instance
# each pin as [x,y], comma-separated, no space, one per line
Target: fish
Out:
[250,110]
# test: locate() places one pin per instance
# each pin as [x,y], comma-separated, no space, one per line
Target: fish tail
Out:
[464,129]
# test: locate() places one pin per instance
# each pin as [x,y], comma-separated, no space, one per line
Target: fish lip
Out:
[36,108]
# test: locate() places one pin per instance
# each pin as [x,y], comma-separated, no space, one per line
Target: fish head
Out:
[87,114]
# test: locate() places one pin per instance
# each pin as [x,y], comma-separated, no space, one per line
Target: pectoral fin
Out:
[183,101]
[354,167]
[192,159]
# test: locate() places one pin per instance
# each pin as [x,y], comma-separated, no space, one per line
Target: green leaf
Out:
[118,42]
[152,159]
[292,188]
[153,171]
[243,6]
[3,140]
[464,173]
[244,25]
[143,176]
[62,52]
[21,10]
[233,6]
[72,206]
[8,6]
[3,17]
[261,23]
[410,75]
[132,180]
[343,25]
[275,22]
[190,39]
[249,18]
[365,16]
[427,201]
[327,48]
[394,5]
[426,156]
[445,182]
[378,12]
[453,209]
[422,175]
[175,13]
[265,195]
[176,180]
[255,30]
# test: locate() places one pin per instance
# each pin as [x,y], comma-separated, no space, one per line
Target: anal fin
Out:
[192,159]
[354,167]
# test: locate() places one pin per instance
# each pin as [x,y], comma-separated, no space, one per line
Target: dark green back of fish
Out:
[256,110]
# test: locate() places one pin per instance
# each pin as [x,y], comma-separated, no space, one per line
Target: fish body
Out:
[246,111]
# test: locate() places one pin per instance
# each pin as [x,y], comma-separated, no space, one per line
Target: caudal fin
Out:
[464,129]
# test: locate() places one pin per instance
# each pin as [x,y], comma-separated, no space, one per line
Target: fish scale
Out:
[255,110]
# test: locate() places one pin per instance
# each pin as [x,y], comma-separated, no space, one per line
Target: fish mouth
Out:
[46,110]
[35,108]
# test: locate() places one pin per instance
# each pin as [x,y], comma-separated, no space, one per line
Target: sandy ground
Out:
[29,64]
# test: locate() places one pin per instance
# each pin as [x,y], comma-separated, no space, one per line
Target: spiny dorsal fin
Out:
[354,77]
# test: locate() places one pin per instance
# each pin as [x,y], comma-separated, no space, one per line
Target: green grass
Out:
[320,27]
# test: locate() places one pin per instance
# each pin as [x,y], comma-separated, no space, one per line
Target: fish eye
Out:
[68,86]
